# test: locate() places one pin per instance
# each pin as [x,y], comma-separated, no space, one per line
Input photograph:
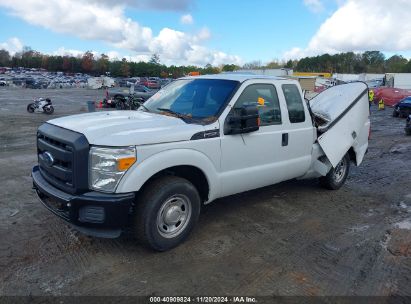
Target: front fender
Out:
[140,173]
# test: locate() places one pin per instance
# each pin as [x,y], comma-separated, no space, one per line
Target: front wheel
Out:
[31,108]
[166,212]
[395,113]
[337,176]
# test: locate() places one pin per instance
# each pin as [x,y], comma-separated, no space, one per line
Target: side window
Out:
[265,97]
[294,103]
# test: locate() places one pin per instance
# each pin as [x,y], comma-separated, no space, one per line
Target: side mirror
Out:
[243,120]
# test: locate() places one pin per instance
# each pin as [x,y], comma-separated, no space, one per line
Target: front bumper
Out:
[92,213]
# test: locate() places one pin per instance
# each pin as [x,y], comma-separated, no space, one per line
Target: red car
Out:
[391,96]
[150,83]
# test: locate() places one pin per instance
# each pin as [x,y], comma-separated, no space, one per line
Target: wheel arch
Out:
[353,156]
[189,164]
[191,173]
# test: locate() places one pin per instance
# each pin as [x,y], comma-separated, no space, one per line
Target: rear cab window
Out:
[294,102]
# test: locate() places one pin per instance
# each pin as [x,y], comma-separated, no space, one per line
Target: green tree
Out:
[395,64]
[289,64]
[155,59]
[374,61]
[274,65]
[5,58]
[87,62]
[230,68]
[103,64]
[124,69]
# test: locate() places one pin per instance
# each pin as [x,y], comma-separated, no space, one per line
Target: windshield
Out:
[196,99]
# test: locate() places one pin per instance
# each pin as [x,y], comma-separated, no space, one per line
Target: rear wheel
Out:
[337,176]
[166,212]
[31,108]
[120,104]
[395,113]
[48,109]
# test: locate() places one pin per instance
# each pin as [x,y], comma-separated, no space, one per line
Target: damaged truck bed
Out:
[341,115]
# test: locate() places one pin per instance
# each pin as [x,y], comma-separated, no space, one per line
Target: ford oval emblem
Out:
[48,159]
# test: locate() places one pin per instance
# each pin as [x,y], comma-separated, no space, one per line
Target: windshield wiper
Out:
[185,118]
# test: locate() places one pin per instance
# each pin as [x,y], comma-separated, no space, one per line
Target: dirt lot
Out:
[290,239]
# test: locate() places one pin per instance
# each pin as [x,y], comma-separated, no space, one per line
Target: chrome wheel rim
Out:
[174,216]
[340,170]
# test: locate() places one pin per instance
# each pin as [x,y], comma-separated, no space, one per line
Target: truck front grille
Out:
[60,171]
[63,158]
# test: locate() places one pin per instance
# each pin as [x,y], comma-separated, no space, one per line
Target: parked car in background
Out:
[403,108]
[138,91]
[153,83]
[408,125]
[143,81]
[32,84]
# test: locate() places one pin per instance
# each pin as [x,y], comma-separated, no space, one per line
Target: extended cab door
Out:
[261,158]
[299,130]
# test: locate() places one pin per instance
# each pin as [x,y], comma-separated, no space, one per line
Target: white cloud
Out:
[62,51]
[106,21]
[360,25]
[201,55]
[187,19]
[162,5]
[315,6]
[114,55]
[12,45]
[203,34]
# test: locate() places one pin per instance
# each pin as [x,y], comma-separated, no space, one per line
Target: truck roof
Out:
[236,77]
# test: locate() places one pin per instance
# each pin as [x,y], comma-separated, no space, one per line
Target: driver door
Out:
[253,160]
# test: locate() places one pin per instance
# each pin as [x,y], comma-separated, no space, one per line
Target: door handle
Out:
[285,139]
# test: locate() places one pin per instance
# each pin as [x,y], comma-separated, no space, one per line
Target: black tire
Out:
[48,110]
[337,176]
[395,113]
[172,196]
[30,108]
[408,131]
[120,105]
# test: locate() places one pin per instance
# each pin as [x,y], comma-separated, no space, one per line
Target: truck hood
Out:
[128,128]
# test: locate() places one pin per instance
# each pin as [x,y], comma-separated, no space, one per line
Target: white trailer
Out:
[399,80]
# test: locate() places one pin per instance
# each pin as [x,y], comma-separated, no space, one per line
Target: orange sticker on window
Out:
[261,101]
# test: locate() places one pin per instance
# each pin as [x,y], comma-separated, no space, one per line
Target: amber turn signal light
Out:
[124,163]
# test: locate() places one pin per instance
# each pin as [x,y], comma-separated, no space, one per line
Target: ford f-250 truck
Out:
[197,140]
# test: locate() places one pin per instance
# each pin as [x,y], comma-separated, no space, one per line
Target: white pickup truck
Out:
[196,140]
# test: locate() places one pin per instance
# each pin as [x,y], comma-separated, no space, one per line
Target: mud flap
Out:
[344,111]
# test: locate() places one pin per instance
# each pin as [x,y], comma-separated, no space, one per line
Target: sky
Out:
[201,32]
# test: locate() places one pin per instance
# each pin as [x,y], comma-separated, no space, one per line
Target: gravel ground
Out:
[294,238]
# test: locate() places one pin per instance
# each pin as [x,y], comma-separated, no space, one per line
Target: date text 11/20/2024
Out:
[238,299]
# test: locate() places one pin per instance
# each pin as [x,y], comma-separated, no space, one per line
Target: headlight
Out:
[108,165]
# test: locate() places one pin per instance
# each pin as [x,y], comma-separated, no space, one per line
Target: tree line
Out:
[90,64]
[347,63]
[354,63]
